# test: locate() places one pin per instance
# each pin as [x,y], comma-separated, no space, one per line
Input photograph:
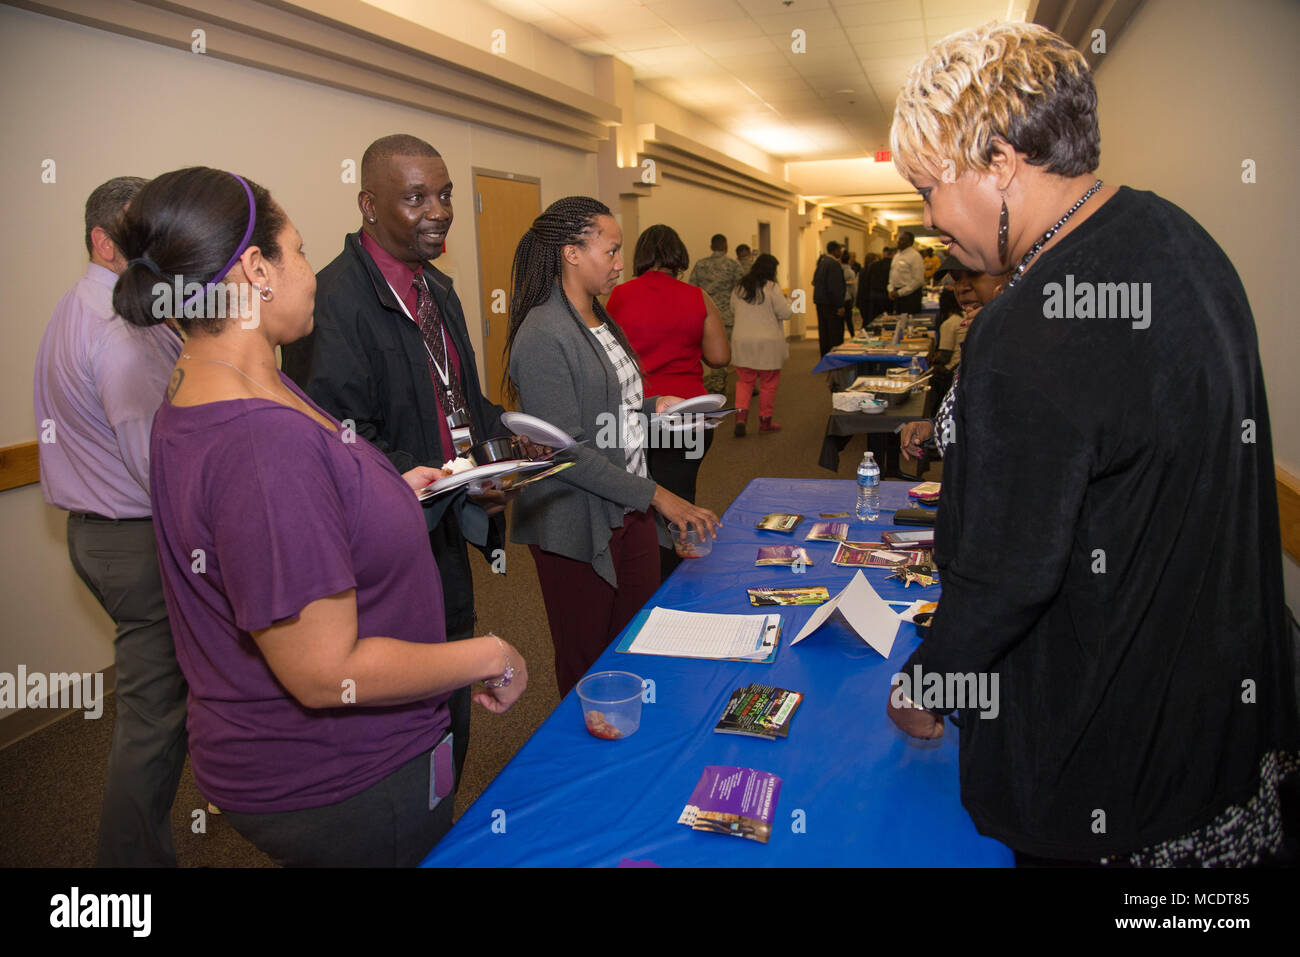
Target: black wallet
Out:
[915,516]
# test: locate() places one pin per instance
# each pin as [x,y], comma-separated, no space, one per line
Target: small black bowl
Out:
[922,621]
[494,450]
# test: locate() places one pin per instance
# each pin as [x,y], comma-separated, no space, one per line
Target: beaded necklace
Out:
[1043,240]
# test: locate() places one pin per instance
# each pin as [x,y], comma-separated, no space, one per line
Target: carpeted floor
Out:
[54,779]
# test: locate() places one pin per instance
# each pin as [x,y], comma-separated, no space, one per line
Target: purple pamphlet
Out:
[736,801]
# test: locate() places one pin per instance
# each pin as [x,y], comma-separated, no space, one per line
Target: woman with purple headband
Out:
[295,559]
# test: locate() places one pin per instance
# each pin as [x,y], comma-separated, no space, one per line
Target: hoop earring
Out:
[1002,231]
[266,293]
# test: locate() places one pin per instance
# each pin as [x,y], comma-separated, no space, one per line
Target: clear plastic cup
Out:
[611,703]
[688,542]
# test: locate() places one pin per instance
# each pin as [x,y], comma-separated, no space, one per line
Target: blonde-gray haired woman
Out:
[1108,535]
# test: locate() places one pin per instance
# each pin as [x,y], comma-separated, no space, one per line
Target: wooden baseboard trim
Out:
[19,465]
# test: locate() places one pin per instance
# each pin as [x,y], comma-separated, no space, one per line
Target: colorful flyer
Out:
[827,532]
[808,595]
[759,711]
[782,555]
[740,802]
[779,522]
[874,555]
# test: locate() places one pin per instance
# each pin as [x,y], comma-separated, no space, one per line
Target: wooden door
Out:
[504,209]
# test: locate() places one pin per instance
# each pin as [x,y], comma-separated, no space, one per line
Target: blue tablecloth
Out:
[864,794]
[838,360]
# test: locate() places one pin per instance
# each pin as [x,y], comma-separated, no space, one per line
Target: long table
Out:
[848,359]
[842,426]
[855,791]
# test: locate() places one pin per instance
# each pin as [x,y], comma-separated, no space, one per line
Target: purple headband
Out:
[243,244]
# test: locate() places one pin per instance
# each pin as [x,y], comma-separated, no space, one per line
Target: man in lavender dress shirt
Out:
[98,383]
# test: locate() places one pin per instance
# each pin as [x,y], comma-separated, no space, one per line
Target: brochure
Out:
[779,522]
[759,711]
[874,555]
[782,555]
[827,532]
[736,801]
[808,595]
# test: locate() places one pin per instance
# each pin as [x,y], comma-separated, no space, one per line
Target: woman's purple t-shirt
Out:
[260,511]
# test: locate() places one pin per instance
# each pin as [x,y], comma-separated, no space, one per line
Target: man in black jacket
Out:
[391,357]
[873,287]
[828,296]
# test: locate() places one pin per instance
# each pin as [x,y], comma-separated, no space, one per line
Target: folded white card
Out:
[865,612]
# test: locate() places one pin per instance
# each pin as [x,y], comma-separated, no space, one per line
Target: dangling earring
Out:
[266,294]
[1002,231]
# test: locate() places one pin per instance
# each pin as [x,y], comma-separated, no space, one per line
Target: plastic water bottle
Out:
[868,509]
[914,367]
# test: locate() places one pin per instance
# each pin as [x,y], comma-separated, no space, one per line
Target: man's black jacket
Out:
[828,282]
[874,285]
[365,360]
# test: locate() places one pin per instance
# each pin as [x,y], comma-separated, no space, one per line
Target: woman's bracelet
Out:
[506,676]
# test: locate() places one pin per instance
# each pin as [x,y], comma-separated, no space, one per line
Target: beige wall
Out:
[1191,89]
[474,23]
[697,213]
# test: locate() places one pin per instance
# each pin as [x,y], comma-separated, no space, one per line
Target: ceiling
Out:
[734,62]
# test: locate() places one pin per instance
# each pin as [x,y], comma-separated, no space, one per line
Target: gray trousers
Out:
[389,824]
[118,561]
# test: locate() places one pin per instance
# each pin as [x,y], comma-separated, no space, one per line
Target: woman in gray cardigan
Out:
[590,530]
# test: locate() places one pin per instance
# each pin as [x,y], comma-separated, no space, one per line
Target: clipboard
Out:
[636,624]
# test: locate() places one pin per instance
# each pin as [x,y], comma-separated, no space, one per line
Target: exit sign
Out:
[882,156]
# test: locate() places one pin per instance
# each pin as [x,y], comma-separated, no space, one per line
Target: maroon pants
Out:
[584,612]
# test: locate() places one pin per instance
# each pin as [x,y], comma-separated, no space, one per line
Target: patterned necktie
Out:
[429,320]
[945,426]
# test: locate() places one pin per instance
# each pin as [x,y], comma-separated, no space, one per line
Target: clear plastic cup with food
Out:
[611,703]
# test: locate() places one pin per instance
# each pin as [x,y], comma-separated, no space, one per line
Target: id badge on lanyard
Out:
[457,418]
[458,422]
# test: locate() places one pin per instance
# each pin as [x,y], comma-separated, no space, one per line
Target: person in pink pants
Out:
[758,346]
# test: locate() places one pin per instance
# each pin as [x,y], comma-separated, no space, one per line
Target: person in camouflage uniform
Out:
[717,275]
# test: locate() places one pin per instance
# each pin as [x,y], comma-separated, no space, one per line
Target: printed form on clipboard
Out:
[689,634]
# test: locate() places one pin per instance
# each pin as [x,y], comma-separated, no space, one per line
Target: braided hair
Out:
[539,267]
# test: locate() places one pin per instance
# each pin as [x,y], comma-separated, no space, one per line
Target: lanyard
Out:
[443,371]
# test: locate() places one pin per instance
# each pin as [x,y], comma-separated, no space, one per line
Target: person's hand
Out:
[683,514]
[422,476]
[914,435]
[665,402]
[915,722]
[499,700]
[493,500]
